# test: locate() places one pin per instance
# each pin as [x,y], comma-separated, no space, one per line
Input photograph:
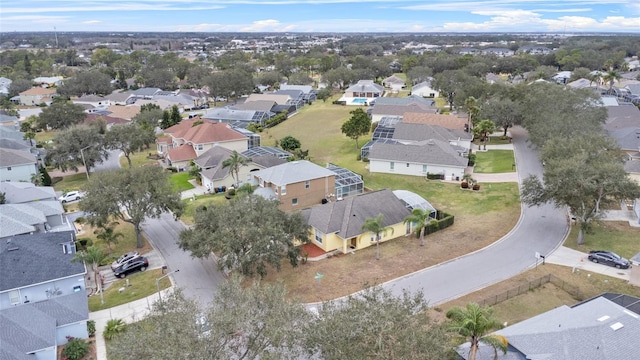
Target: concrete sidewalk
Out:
[579,262]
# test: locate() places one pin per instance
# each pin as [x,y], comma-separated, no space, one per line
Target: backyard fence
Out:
[531,285]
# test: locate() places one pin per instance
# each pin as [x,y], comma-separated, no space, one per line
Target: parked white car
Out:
[71,196]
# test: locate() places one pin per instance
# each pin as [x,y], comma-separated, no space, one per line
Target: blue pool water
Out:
[359,101]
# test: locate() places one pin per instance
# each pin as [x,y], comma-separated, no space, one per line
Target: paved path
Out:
[579,262]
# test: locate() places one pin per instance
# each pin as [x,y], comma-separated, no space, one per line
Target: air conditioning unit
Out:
[338,199]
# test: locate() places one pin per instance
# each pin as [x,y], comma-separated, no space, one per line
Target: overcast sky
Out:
[560,16]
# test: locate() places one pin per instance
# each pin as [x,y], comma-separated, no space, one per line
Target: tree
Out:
[289,143]
[61,115]
[580,173]
[248,233]
[46,179]
[243,322]
[483,129]
[114,328]
[130,195]
[473,323]
[175,116]
[93,256]
[472,109]
[375,324]
[419,219]
[234,162]
[78,146]
[504,112]
[324,93]
[108,234]
[611,77]
[86,82]
[376,226]
[357,125]
[129,138]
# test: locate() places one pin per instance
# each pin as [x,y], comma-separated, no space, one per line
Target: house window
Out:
[408,228]
[14,296]
[283,190]
[319,236]
[407,164]
[294,201]
[9,168]
[199,147]
[424,169]
[391,165]
[307,184]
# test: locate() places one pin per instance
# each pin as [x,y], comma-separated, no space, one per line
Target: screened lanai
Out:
[413,201]
[347,182]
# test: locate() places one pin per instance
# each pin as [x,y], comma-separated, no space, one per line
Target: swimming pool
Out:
[360,101]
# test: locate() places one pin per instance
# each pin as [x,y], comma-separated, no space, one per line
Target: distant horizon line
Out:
[327,32]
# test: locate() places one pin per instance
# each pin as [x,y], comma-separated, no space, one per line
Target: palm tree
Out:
[611,77]
[483,129]
[375,226]
[233,163]
[471,106]
[93,256]
[108,235]
[420,219]
[474,322]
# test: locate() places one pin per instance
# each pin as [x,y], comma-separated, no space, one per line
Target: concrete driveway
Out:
[579,261]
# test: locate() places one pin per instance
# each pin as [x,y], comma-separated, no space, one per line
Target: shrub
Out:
[172,169]
[75,349]
[464,185]
[359,157]
[472,159]
[91,328]
[476,187]
[108,260]
[114,328]
[432,176]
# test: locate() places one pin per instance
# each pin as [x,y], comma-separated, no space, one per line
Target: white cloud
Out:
[91,22]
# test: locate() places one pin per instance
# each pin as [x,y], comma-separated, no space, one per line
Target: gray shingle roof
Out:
[346,216]
[230,114]
[366,86]
[622,116]
[307,89]
[627,138]
[22,192]
[14,144]
[293,172]
[399,110]
[8,132]
[11,157]
[267,161]
[261,105]
[213,157]
[411,99]
[435,152]
[419,132]
[17,266]
[632,166]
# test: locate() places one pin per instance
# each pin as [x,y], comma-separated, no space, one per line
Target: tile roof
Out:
[346,216]
[17,266]
[419,132]
[293,172]
[181,153]
[435,152]
[205,133]
[447,121]
[124,111]
[11,157]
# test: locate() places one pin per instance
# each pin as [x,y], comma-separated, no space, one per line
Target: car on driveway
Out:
[125,258]
[71,196]
[608,258]
[140,263]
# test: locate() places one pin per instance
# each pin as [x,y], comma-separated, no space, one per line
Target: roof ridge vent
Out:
[603,318]
[616,326]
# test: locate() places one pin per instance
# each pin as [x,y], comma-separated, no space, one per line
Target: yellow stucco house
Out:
[338,225]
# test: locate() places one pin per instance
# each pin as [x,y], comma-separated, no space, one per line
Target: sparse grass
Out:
[204,200]
[180,181]
[142,284]
[494,140]
[71,182]
[137,159]
[125,244]
[494,161]
[616,236]
[45,136]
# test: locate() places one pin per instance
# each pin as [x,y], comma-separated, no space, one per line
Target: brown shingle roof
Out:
[38,91]
[181,153]
[279,99]
[207,132]
[124,112]
[447,121]
[91,118]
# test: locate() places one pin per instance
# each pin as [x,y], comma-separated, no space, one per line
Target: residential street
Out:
[540,229]
[197,278]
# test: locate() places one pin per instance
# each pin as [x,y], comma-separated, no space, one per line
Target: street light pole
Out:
[86,170]
[162,277]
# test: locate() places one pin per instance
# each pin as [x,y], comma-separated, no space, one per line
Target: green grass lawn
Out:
[138,159]
[142,284]
[180,181]
[71,182]
[125,243]
[45,136]
[204,200]
[494,161]
[616,236]
[494,140]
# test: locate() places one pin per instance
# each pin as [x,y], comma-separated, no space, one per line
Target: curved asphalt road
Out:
[540,229]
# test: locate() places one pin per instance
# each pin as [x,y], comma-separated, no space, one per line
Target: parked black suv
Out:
[140,263]
[608,258]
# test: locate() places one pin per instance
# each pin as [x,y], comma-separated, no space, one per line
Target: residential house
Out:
[408,133]
[126,112]
[120,97]
[43,299]
[109,120]
[36,96]
[17,165]
[266,150]
[48,81]
[5,84]
[96,102]
[378,111]
[296,97]
[31,209]
[236,115]
[297,184]
[499,52]
[145,93]
[394,83]
[604,328]
[404,101]
[623,124]
[337,225]
[535,50]
[191,138]
[362,93]
[215,175]
[418,159]
[309,94]
[8,120]
[562,77]
[280,99]
[425,89]
[454,122]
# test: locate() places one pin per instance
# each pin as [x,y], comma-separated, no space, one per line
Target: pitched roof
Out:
[146,91]
[24,192]
[213,157]
[632,166]
[109,120]
[411,99]
[345,217]
[307,89]
[119,96]
[11,157]
[293,172]
[447,121]
[231,114]
[393,79]
[14,144]
[627,138]
[9,132]
[181,153]
[419,132]
[436,152]
[124,111]
[38,91]
[400,110]
[278,98]
[204,133]
[426,83]
[31,327]
[267,161]
[622,116]
[18,256]
[260,105]
[365,86]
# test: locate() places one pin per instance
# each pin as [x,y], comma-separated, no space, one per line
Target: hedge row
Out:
[443,221]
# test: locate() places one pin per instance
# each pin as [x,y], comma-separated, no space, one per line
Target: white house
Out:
[425,89]
[17,165]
